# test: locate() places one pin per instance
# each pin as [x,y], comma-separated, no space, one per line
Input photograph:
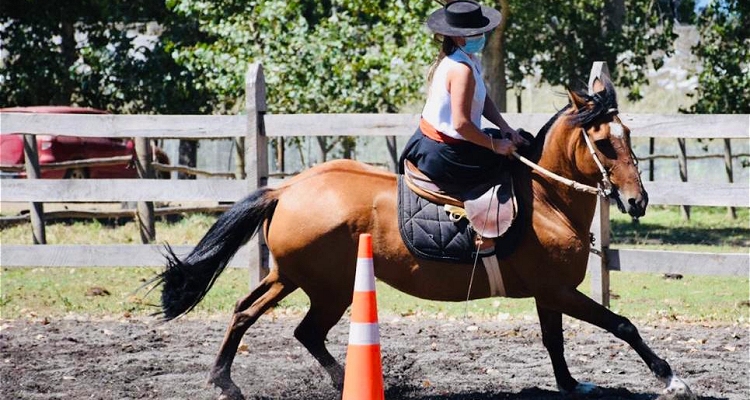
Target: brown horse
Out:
[312,223]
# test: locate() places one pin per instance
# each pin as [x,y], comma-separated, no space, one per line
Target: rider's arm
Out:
[461,88]
[493,115]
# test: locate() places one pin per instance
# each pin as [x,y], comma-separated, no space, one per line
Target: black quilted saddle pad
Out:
[428,231]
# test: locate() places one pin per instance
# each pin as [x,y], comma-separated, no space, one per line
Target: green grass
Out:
[691,298]
[57,292]
[709,229]
[188,230]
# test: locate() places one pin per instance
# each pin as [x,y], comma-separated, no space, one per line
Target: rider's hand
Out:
[503,146]
[517,138]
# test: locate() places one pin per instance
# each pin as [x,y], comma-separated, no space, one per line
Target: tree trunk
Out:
[493,61]
[69,53]
[280,155]
[322,148]
[188,156]
[612,21]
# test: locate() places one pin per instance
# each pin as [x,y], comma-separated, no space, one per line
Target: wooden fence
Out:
[252,131]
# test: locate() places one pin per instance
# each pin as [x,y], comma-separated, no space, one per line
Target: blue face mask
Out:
[474,44]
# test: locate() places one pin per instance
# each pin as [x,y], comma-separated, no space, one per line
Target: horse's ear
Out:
[597,86]
[576,101]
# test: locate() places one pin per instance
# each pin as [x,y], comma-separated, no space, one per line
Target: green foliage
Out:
[724,51]
[112,55]
[190,56]
[562,39]
[337,56]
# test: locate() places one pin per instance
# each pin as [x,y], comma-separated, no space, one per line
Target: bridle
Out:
[604,189]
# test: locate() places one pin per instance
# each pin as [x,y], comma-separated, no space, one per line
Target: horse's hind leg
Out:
[247,310]
[314,328]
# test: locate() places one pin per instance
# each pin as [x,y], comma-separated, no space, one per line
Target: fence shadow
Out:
[649,233]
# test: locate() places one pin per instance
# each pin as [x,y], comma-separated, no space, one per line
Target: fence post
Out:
[597,264]
[682,160]
[651,145]
[731,212]
[390,142]
[239,157]
[256,160]
[145,209]
[33,172]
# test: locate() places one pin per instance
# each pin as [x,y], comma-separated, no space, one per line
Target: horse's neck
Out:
[572,207]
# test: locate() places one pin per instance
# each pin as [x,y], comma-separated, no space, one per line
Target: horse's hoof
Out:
[231,394]
[337,378]
[582,389]
[229,391]
[677,390]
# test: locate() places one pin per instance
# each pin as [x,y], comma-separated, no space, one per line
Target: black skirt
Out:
[463,163]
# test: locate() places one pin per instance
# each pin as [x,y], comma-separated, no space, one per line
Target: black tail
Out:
[185,282]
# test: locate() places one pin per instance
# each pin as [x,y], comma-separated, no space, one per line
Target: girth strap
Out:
[495,277]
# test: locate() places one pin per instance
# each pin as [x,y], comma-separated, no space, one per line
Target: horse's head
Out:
[603,151]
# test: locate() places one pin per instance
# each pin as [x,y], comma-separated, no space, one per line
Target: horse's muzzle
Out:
[634,205]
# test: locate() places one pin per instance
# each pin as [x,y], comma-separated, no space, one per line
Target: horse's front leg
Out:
[552,337]
[577,305]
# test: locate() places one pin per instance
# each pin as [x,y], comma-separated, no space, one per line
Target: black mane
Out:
[602,103]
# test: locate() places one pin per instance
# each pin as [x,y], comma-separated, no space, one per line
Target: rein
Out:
[604,191]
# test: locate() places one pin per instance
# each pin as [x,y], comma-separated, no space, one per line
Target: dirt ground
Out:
[76,358]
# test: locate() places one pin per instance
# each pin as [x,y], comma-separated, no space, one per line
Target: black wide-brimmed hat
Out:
[463,18]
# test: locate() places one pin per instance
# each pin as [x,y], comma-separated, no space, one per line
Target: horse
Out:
[311,225]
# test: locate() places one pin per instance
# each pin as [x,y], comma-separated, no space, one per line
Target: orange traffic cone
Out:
[364,373]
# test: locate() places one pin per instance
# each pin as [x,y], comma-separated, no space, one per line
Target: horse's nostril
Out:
[637,207]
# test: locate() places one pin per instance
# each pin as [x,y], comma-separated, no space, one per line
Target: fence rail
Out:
[688,126]
[255,127]
[99,255]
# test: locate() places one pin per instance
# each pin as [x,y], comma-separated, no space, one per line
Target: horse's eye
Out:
[606,148]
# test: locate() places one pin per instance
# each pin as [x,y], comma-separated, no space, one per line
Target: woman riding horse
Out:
[449,147]
[311,225]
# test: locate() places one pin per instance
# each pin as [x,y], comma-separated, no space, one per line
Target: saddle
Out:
[440,222]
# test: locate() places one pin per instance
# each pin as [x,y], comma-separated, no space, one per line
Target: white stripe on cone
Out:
[364,280]
[361,333]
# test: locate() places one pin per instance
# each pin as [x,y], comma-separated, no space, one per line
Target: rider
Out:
[449,146]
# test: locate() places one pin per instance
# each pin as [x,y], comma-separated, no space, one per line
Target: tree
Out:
[319,57]
[112,55]
[493,60]
[724,52]
[562,39]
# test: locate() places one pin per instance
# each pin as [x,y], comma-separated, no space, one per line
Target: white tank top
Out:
[437,109]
